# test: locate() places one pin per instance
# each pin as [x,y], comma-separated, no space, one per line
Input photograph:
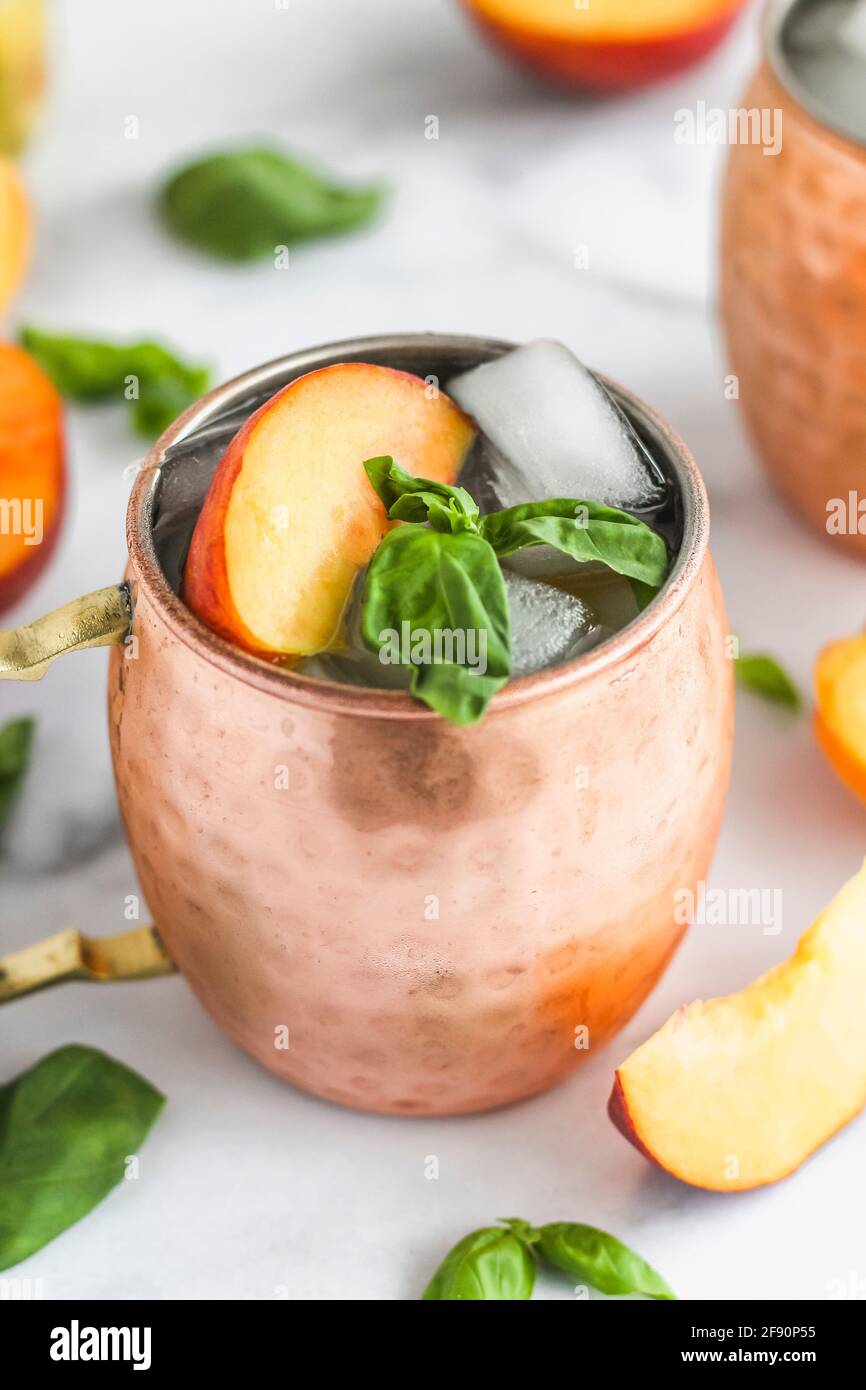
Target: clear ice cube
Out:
[550,429]
[548,626]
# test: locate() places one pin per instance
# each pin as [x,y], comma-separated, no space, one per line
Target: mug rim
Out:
[370,702]
[775,20]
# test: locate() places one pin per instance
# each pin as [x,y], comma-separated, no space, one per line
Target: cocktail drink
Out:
[443,898]
[319,549]
[794,264]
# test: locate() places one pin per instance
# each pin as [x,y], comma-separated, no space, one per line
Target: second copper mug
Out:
[793,293]
[385,910]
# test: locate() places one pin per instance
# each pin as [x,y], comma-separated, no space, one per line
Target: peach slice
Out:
[605,45]
[738,1092]
[291,517]
[840,715]
[15,231]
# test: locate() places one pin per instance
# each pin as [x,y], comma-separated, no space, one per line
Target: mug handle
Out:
[101,619]
[70,955]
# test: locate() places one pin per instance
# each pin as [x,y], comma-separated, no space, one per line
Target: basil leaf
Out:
[16,739]
[243,204]
[437,603]
[585,531]
[84,369]
[488,1264]
[66,1128]
[600,1260]
[764,676]
[407,498]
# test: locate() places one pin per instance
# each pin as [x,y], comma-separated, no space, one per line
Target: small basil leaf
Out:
[66,1128]
[764,676]
[437,603]
[156,382]
[420,499]
[586,531]
[16,739]
[600,1260]
[488,1264]
[244,204]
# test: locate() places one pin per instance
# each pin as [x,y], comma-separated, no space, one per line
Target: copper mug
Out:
[385,910]
[793,296]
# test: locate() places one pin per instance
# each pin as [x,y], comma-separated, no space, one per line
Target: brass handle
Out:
[70,955]
[101,619]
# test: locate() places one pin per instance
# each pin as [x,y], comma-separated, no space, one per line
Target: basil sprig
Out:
[499,1263]
[67,1127]
[434,597]
[16,739]
[244,204]
[587,531]
[430,587]
[764,676]
[157,384]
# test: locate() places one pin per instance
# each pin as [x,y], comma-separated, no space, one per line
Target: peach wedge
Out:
[737,1092]
[840,712]
[291,517]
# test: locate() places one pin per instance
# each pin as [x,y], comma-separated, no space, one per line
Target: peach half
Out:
[605,45]
[291,517]
[737,1092]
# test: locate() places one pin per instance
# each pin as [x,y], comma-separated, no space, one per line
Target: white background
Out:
[248,1188]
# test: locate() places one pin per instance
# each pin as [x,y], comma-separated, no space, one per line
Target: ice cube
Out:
[548,626]
[550,429]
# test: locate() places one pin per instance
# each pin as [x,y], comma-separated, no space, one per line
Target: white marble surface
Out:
[249,1189]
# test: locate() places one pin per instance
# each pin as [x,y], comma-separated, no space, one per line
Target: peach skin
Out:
[605,45]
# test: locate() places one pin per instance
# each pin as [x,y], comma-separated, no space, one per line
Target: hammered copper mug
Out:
[386,910]
[793,296]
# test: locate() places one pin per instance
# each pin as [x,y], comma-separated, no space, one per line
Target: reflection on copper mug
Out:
[386,910]
[793,295]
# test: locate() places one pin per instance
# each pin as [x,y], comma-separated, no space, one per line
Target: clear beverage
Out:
[571,440]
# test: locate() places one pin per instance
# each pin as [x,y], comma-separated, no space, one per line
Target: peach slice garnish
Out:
[291,517]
